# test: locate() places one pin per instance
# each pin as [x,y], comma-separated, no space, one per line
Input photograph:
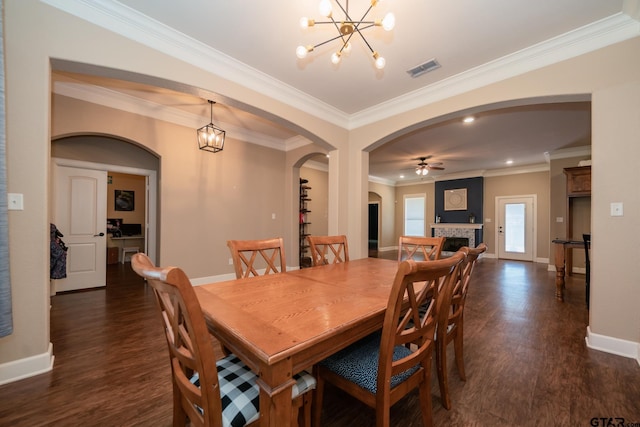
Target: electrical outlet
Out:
[230,261]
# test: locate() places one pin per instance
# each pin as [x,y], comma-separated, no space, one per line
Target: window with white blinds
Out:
[414,214]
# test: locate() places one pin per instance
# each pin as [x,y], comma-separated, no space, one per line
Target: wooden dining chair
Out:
[250,257]
[205,391]
[420,248]
[381,369]
[451,324]
[328,249]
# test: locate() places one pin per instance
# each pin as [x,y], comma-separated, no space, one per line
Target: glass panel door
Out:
[515,228]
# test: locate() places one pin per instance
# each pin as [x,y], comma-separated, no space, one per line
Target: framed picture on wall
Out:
[455,200]
[124,200]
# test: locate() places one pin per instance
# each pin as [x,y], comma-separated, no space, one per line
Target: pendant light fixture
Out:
[211,137]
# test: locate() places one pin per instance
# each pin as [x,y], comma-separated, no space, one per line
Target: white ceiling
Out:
[476,43]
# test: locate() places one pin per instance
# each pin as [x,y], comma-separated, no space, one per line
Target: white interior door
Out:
[80,213]
[515,228]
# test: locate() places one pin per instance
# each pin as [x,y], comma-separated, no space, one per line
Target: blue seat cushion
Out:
[240,394]
[358,363]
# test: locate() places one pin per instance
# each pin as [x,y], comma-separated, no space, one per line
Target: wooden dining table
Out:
[280,324]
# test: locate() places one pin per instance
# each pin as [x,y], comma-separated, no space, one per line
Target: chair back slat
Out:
[420,248]
[189,342]
[462,285]
[418,284]
[382,368]
[250,256]
[451,322]
[328,249]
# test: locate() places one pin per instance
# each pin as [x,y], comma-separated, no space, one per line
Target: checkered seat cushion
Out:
[240,393]
[358,363]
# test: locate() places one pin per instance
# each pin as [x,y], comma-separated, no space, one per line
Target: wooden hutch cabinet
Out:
[578,181]
[578,190]
[578,185]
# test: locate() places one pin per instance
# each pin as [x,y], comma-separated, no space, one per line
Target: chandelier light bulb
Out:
[335,58]
[347,48]
[380,61]
[389,21]
[301,52]
[305,22]
[325,8]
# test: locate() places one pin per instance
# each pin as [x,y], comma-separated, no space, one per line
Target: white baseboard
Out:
[212,279]
[578,270]
[612,345]
[27,367]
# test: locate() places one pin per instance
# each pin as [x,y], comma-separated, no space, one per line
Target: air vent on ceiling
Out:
[419,70]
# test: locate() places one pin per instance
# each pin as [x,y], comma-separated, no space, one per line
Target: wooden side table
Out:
[561,248]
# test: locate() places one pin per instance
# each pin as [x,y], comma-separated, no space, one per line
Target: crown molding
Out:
[518,170]
[463,175]
[129,23]
[383,181]
[588,38]
[566,153]
[296,142]
[131,104]
[312,164]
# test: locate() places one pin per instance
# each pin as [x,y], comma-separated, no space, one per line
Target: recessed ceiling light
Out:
[469,119]
[509,162]
[401,176]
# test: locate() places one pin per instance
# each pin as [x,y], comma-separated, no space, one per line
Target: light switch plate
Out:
[15,201]
[616,209]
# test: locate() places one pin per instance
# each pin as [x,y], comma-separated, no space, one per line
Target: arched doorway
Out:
[121,158]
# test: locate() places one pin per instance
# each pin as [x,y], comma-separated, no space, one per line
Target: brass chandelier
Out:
[347,27]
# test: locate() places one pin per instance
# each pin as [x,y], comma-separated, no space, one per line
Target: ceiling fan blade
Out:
[435,168]
[422,158]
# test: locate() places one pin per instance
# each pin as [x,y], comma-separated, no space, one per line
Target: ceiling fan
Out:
[423,167]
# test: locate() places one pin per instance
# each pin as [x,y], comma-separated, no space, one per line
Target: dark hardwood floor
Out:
[526,360]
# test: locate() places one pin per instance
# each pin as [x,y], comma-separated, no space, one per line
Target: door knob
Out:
[98,235]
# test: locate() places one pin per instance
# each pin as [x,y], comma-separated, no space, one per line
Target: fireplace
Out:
[452,244]
[458,235]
